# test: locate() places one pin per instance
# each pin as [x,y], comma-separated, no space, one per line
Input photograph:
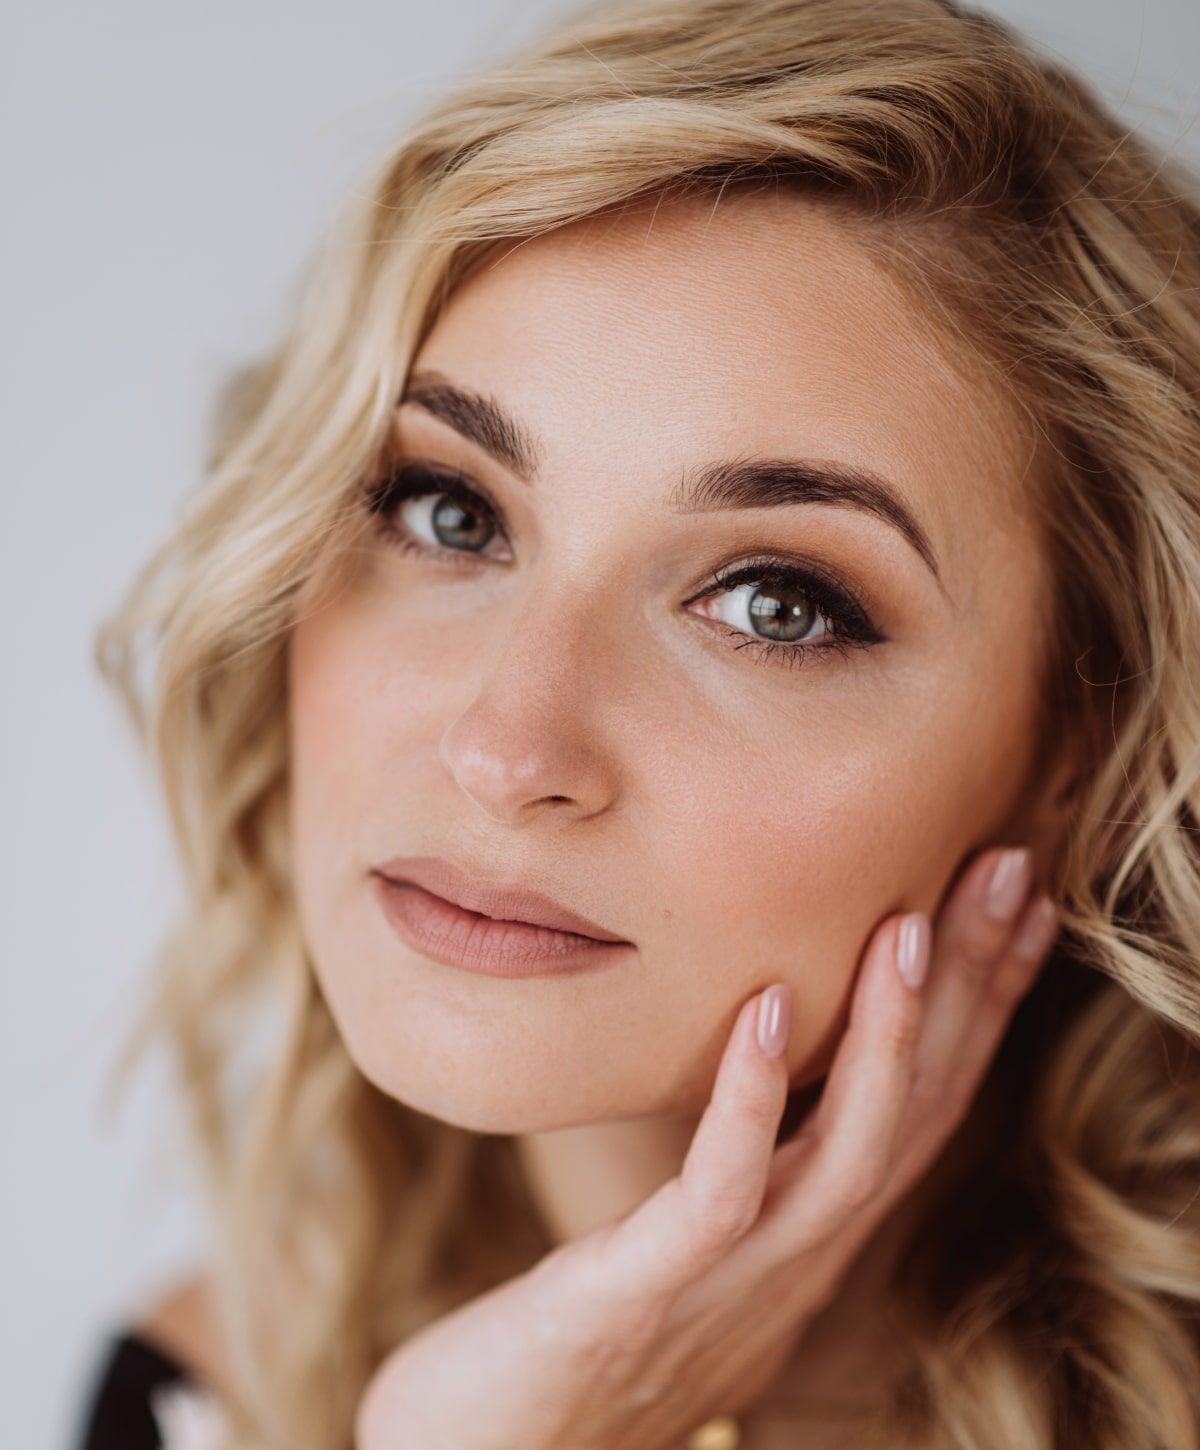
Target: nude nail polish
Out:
[1010,880]
[774,1012]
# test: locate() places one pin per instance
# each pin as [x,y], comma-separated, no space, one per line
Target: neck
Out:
[584,1177]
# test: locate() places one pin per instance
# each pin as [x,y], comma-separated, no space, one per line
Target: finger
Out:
[973,928]
[839,1161]
[693,1219]
[939,1102]
[1011,977]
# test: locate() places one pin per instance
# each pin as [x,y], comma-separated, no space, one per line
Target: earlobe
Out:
[1054,804]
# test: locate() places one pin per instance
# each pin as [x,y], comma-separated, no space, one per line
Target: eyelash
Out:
[845,612]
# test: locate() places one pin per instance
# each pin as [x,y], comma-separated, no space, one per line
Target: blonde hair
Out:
[1051,1297]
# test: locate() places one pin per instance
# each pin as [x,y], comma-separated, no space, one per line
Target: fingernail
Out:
[1037,931]
[913,940]
[774,1015]
[1006,890]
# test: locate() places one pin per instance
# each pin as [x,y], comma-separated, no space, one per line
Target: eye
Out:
[789,611]
[778,608]
[441,514]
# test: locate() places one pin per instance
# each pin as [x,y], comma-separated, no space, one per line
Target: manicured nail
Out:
[914,937]
[1037,931]
[774,1015]
[1010,880]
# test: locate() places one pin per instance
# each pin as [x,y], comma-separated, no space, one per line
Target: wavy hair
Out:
[1052,1297]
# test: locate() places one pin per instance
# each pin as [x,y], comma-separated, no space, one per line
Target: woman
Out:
[672,1046]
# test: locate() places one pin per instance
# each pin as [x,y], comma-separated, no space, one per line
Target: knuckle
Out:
[746,1098]
[902,1031]
[859,1185]
[1007,982]
[761,1111]
[635,1328]
[726,1214]
[979,946]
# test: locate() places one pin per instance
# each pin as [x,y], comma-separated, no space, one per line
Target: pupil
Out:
[778,612]
[447,523]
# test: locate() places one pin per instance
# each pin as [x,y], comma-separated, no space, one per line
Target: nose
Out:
[532,737]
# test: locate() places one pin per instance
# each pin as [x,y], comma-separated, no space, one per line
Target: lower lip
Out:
[453,935]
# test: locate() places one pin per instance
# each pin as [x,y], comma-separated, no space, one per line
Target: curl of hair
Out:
[1051,1298]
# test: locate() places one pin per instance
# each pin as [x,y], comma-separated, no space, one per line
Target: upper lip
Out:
[502,900]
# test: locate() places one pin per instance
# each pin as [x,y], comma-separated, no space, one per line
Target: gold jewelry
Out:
[724,1432]
[721,1433]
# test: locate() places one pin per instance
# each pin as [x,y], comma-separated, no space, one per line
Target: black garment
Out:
[117,1413]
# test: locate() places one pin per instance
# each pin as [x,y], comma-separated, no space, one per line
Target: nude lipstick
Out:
[498,929]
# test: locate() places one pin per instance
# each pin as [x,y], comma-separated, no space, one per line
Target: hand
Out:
[686,1308]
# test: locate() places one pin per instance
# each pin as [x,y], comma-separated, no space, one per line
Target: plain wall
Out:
[167,168]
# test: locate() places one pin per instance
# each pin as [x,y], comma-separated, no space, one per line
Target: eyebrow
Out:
[478,418]
[747,483]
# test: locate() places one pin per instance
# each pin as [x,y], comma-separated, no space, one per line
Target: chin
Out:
[472,1103]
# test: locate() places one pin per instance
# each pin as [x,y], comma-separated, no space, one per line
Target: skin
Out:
[554,712]
[628,1338]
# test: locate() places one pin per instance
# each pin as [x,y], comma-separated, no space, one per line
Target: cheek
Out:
[354,720]
[335,773]
[787,872]
[321,722]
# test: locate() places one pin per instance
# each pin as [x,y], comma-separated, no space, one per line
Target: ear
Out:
[1053,799]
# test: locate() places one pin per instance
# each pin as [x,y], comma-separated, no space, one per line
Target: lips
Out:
[502,901]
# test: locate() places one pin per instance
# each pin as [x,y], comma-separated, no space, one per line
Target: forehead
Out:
[681,330]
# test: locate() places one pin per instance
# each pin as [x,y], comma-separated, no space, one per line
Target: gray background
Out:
[165,169]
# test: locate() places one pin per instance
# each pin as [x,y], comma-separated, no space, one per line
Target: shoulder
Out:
[150,1386]
[181,1321]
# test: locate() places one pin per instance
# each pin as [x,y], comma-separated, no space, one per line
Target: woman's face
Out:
[572,703]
